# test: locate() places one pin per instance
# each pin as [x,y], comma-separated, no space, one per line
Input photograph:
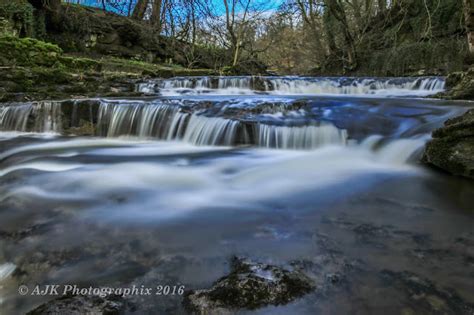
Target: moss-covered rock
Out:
[452,147]
[27,52]
[36,70]
[460,85]
[76,305]
[250,285]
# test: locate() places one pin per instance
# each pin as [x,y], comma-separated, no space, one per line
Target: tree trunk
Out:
[382,5]
[156,14]
[130,5]
[469,20]
[328,29]
[139,10]
[337,11]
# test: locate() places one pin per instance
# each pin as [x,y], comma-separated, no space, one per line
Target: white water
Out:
[14,117]
[173,188]
[422,86]
[165,121]
[40,166]
[210,131]
[45,116]
[304,137]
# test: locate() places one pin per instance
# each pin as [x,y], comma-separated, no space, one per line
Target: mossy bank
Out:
[36,70]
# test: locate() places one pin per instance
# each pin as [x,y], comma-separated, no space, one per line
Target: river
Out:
[319,173]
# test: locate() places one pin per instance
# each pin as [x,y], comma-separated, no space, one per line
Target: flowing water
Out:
[315,172]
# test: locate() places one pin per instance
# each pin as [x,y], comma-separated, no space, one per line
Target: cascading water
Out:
[14,117]
[147,121]
[165,121]
[211,131]
[41,116]
[421,86]
[305,137]
[349,86]
[48,116]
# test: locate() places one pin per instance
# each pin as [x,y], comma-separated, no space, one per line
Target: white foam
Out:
[422,86]
[40,166]
[156,191]
[76,143]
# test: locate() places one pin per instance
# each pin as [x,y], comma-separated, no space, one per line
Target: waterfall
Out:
[211,131]
[48,116]
[169,122]
[304,137]
[38,116]
[355,86]
[420,86]
[14,117]
[139,119]
[235,83]
[164,121]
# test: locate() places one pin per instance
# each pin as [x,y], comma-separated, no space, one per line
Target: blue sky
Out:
[98,3]
[269,5]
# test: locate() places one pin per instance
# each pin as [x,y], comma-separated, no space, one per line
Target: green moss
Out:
[34,69]
[27,51]
[56,75]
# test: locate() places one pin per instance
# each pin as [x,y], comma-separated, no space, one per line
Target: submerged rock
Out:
[425,297]
[452,147]
[76,305]
[250,285]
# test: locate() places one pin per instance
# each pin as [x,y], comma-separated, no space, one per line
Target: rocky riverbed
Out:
[237,195]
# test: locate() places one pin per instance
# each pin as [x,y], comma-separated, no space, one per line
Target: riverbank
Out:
[35,70]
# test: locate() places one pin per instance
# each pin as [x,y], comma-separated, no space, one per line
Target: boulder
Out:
[452,147]
[460,85]
[250,285]
[76,305]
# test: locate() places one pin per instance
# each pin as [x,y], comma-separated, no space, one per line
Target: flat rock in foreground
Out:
[249,286]
[78,305]
[452,147]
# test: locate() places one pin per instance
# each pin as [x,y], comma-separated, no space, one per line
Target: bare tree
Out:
[156,14]
[140,9]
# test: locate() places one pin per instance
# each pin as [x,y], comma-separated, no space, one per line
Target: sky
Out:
[269,5]
[98,3]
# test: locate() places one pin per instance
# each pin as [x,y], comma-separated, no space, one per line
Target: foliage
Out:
[333,37]
[319,37]
[19,14]
[429,57]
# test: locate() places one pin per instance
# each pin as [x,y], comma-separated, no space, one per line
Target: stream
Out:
[320,174]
